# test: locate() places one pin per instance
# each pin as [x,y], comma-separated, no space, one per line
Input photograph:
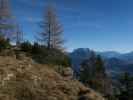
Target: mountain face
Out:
[128,57]
[115,62]
[77,56]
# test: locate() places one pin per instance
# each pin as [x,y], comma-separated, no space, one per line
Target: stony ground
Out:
[25,80]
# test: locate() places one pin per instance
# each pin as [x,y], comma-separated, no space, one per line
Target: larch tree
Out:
[18,36]
[51,34]
[6,20]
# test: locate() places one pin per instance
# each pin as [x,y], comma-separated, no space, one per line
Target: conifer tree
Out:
[51,34]
[99,67]
[18,36]
[93,74]
[126,88]
[87,69]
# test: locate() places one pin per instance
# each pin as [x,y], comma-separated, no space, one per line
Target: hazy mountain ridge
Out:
[109,54]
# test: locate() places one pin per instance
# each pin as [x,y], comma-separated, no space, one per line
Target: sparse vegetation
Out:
[43,55]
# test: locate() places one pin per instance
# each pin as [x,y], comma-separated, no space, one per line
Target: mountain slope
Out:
[26,80]
[77,56]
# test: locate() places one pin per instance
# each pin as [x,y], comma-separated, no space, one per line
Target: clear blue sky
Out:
[102,25]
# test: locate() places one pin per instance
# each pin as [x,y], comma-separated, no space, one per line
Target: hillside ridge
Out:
[24,79]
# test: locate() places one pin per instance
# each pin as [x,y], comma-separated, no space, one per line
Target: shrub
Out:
[50,56]
[4,43]
[43,55]
[26,46]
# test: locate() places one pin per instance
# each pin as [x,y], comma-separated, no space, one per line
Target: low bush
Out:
[26,46]
[4,43]
[43,55]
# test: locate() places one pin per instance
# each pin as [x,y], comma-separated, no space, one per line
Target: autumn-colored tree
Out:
[6,24]
[51,34]
[18,36]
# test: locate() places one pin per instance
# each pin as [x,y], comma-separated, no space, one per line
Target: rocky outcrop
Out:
[67,73]
[25,80]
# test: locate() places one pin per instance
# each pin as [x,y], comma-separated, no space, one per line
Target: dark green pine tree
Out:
[93,74]
[99,68]
[86,71]
[126,88]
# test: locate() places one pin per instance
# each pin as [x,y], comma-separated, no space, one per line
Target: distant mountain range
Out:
[113,54]
[115,62]
[109,54]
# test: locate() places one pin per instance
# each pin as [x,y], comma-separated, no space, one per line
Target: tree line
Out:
[51,34]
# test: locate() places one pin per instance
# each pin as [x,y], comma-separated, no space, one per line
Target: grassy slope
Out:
[25,80]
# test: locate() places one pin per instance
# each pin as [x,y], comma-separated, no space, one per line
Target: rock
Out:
[68,73]
[19,55]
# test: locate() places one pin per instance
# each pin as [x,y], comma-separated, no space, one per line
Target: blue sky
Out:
[102,25]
